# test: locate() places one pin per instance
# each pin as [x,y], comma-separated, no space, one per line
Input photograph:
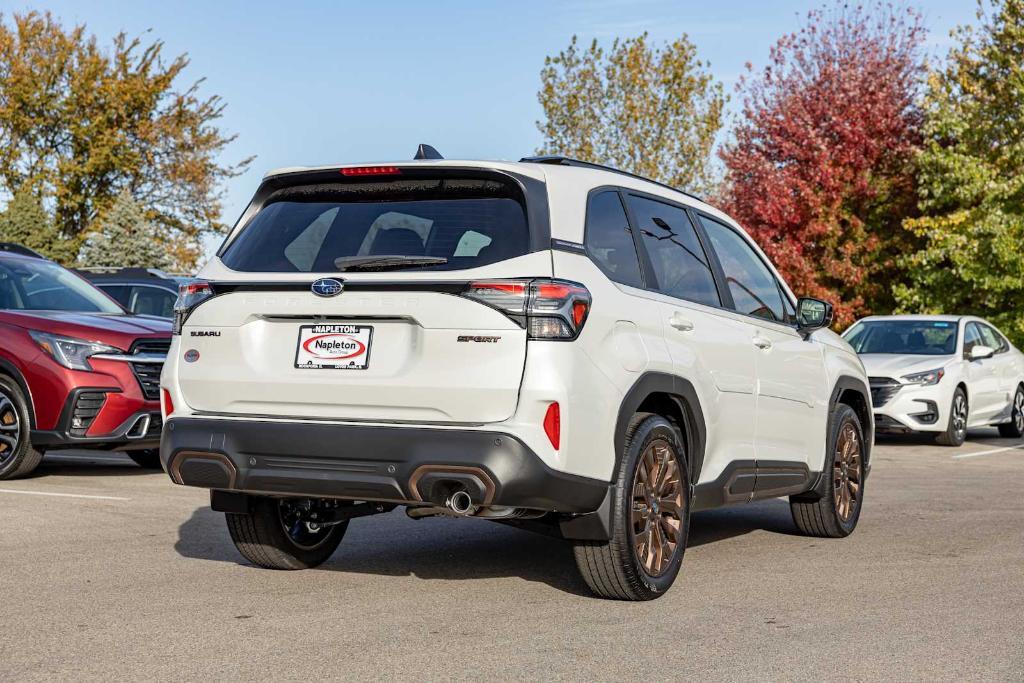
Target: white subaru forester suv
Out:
[547,343]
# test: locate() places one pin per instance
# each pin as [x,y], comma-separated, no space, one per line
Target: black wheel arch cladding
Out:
[681,392]
[841,393]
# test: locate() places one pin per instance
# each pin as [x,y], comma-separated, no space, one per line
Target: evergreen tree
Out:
[27,223]
[124,237]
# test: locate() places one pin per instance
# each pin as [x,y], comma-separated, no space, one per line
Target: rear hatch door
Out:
[398,343]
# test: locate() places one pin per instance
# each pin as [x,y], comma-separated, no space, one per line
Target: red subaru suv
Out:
[76,369]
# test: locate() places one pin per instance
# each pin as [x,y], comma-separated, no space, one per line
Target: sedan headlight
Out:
[925,379]
[69,352]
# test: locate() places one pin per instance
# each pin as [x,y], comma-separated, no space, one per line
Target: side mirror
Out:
[981,352]
[812,314]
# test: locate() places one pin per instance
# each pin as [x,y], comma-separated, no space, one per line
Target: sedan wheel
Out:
[1015,428]
[960,416]
[956,427]
[1018,410]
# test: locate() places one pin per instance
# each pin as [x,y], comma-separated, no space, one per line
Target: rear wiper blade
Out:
[386,262]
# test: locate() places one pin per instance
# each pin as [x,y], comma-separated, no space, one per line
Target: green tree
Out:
[649,110]
[972,178]
[26,222]
[124,237]
[80,124]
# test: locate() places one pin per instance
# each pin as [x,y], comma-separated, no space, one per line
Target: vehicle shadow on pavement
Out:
[711,526]
[71,467]
[465,549]
[982,436]
[394,545]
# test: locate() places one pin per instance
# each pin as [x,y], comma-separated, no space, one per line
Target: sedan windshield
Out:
[917,337]
[38,285]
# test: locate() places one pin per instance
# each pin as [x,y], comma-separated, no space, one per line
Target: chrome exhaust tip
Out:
[461,503]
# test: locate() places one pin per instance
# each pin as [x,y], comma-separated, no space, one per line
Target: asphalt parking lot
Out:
[110,571]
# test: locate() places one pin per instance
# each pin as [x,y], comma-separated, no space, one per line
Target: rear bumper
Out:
[407,465]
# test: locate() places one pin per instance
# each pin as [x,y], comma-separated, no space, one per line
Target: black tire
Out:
[261,537]
[148,458]
[825,516]
[1014,429]
[956,425]
[612,569]
[17,456]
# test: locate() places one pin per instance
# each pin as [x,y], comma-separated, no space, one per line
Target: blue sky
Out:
[327,82]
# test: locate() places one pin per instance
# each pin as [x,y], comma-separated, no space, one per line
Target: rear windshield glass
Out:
[918,337]
[447,224]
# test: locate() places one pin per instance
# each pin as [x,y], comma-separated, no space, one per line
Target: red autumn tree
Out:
[820,166]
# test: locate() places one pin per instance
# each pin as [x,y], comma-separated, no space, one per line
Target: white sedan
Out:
[941,374]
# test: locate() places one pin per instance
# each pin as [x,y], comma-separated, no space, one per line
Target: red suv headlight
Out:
[72,353]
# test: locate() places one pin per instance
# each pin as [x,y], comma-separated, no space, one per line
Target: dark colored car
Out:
[144,291]
[76,369]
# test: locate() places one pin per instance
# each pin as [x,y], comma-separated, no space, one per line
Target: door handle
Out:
[680,323]
[762,342]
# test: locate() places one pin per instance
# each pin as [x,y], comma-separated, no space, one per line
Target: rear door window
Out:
[753,287]
[609,240]
[153,301]
[120,292]
[680,264]
[466,223]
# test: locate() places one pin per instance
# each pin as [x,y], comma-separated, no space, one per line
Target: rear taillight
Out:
[548,309]
[168,404]
[190,295]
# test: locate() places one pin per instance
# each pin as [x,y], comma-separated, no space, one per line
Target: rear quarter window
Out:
[609,239]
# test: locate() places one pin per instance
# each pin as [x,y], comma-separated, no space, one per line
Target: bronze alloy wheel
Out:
[847,472]
[657,507]
[10,428]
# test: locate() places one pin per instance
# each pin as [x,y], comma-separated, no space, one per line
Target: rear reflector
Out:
[553,425]
[168,404]
[371,170]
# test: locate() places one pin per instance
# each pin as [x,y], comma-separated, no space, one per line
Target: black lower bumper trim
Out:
[360,462]
[889,425]
[63,438]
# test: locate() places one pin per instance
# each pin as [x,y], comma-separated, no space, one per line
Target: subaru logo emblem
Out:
[327,286]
